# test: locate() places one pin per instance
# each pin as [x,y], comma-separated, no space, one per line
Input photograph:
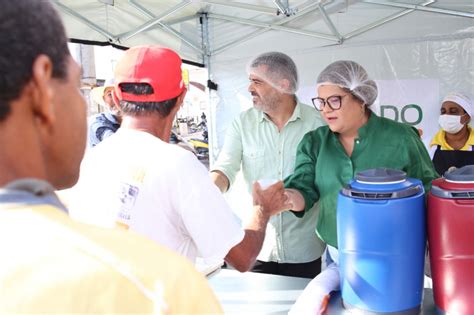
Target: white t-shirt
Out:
[162,191]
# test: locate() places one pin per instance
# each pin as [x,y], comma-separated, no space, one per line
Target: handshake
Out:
[272,198]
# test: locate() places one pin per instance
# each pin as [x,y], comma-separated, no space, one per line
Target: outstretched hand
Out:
[272,200]
[324,304]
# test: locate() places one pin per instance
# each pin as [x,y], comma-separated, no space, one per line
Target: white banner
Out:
[413,102]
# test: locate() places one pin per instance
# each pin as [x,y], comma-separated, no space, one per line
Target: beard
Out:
[266,103]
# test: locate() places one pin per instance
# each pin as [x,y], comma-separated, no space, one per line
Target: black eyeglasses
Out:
[334,102]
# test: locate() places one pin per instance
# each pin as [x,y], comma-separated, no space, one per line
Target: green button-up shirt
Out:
[323,167]
[254,142]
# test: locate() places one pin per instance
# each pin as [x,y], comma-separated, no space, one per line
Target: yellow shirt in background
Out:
[440,139]
[51,264]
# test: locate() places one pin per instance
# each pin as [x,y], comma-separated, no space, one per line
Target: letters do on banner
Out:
[401,115]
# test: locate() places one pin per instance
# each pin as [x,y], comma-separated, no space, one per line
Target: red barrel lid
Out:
[456,183]
[464,174]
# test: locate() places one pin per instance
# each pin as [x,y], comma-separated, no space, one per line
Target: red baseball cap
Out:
[158,66]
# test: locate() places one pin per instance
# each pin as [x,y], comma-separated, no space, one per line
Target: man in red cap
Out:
[135,179]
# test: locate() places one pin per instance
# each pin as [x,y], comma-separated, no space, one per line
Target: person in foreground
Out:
[263,141]
[50,263]
[453,145]
[354,139]
[135,179]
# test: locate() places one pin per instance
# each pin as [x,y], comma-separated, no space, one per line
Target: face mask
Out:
[450,123]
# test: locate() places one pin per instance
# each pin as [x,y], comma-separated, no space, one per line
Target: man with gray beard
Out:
[263,141]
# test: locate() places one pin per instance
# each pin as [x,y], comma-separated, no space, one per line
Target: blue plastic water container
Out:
[381,241]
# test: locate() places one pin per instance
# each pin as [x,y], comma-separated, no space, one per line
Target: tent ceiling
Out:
[200,29]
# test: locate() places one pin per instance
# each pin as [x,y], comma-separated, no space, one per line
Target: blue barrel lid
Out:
[382,183]
[463,174]
[381,176]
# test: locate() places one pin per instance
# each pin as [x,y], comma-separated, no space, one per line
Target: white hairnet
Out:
[352,76]
[278,67]
[462,100]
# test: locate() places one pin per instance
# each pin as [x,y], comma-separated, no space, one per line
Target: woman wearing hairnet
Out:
[453,145]
[355,139]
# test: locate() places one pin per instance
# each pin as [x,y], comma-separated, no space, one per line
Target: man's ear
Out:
[179,103]
[42,90]
[180,100]
[181,97]
[284,85]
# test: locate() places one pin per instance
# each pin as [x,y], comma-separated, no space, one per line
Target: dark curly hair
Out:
[29,28]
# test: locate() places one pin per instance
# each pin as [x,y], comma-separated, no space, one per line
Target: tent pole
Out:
[245,6]
[307,9]
[330,24]
[284,7]
[182,19]
[206,60]
[166,27]
[154,21]
[94,26]
[419,7]
[272,26]
[383,21]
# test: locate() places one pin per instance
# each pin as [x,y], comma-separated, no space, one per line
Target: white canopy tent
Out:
[416,50]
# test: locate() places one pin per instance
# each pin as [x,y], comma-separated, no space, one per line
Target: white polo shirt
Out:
[162,191]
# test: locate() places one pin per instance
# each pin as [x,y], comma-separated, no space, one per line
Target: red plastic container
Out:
[451,241]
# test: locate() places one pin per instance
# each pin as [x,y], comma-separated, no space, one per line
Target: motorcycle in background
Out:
[201,145]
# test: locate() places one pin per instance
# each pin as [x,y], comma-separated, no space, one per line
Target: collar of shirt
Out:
[365,131]
[370,127]
[440,139]
[30,191]
[110,117]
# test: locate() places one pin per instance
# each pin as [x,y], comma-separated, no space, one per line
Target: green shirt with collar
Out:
[254,144]
[323,167]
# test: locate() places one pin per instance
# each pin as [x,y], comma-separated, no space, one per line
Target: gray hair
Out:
[280,66]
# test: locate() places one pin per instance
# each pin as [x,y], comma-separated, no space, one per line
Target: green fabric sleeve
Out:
[303,178]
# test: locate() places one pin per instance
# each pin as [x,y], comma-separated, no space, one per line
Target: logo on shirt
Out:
[127,195]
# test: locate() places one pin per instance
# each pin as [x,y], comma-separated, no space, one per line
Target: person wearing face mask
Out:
[104,124]
[453,145]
